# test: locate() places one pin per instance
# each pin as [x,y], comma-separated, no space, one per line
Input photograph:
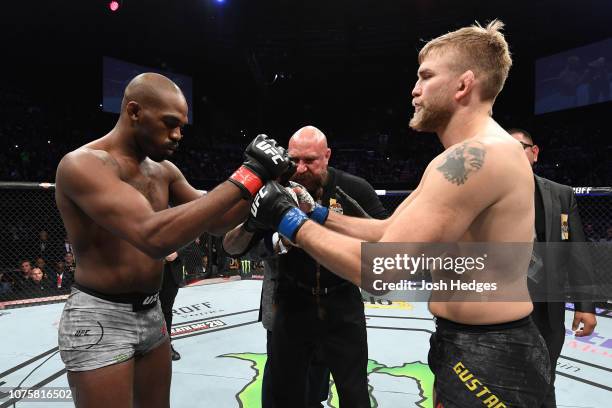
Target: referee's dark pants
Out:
[334,326]
[318,381]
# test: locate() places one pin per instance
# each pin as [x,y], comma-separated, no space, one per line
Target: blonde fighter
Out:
[480,189]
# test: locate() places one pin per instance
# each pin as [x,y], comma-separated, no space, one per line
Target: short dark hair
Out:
[524,132]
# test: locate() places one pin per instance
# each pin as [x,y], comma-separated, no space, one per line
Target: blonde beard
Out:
[427,120]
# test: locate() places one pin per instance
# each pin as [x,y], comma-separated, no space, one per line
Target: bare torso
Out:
[509,219]
[105,262]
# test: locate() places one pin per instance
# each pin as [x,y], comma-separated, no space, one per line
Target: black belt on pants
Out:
[443,324]
[139,301]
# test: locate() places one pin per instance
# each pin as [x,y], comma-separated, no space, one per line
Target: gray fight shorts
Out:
[98,330]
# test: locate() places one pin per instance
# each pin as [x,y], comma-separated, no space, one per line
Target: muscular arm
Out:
[182,192]
[442,211]
[90,180]
[364,229]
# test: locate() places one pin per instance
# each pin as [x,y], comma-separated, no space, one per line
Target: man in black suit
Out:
[45,247]
[316,315]
[555,204]
[62,277]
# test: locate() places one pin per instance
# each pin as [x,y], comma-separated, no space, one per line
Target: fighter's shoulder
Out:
[85,159]
[501,142]
[487,149]
[168,170]
[506,156]
[169,167]
[460,161]
[459,149]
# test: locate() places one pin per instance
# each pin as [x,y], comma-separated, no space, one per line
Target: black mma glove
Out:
[264,160]
[274,208]
[251,225]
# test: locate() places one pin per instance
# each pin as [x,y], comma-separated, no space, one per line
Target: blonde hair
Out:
[483,50]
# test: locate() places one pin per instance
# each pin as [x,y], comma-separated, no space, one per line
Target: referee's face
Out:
[311,160]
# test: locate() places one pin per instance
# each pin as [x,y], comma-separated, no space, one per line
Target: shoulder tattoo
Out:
[462,161]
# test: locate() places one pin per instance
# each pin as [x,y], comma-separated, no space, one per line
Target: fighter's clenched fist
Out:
[264,160]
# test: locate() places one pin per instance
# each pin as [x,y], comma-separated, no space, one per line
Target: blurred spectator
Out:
[22,280]
[191,255]
[67,246]
[384,152]
[42,245]
[590,234]
[61,278]
[42,265]
[38,285]
[25,266]
[608,237]
[6,284]
[69,261]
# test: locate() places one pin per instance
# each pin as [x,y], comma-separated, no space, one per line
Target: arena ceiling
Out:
[310,45]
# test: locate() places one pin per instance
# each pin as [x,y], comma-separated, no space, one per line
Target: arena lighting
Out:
[113,5]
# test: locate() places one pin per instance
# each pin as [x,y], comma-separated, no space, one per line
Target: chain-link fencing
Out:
[37,262]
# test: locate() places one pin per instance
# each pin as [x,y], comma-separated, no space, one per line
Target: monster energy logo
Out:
[245,264]
[250,395]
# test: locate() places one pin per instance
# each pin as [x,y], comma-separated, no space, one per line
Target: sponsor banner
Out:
[196,327]
[592,191]
[371,302]
[195,310]
[395,306]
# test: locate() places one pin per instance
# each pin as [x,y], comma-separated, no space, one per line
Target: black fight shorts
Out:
[493,366]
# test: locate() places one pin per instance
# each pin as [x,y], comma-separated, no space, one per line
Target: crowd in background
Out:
[44,265]
[45,268]
[34,137]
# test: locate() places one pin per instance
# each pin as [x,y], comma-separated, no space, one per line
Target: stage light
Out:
[113,5]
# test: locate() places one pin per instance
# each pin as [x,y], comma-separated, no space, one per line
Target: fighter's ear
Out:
[465,84]
[535,149]
[133,110]
[327,154]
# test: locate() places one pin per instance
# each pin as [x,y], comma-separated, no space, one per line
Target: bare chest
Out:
[150,181]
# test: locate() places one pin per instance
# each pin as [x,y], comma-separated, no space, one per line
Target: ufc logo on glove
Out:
[255,204]
[267,148]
